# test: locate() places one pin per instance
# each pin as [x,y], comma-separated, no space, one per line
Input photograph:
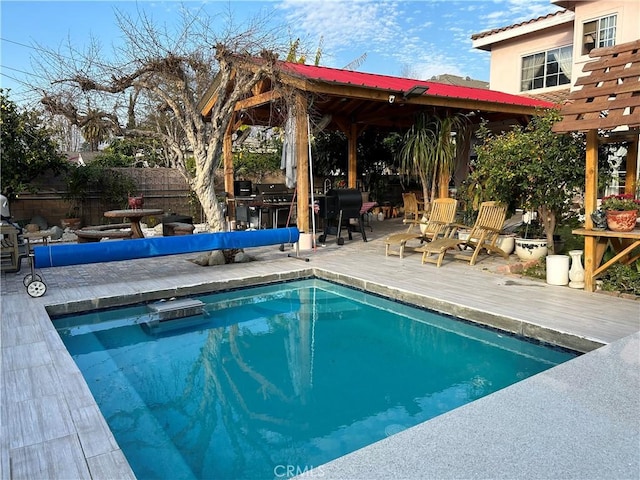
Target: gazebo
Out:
[350,102]
[607,108]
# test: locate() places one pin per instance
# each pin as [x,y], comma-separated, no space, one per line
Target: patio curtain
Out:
[288,162]
[565,61]
[531,65]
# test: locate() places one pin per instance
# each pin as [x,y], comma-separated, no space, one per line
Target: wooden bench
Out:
[12,252]
[96,233]
[179,228]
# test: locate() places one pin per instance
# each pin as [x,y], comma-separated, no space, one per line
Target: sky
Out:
[418,39]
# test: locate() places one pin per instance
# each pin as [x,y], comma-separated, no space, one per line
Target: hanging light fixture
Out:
[416,91]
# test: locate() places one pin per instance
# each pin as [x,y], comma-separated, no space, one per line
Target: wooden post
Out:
[630,183]
[302,158]
[590,198]
[353,156]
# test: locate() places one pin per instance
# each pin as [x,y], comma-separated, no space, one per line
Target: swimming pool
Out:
[275,380]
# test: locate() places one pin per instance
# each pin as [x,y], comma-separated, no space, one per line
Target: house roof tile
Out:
[486,33]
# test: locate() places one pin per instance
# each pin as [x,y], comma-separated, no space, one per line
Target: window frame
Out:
[598,36]
[546,77]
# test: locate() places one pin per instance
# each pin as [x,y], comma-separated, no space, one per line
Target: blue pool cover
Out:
[80,253]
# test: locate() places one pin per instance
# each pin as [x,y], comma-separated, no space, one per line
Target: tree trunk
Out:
[203,188]
[548,220]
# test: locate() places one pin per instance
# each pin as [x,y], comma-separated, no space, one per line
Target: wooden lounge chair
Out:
[483,236]
[439,223]
[12,250]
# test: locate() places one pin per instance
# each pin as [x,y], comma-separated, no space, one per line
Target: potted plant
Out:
[102,181]
[529,167]
[77,190]
[621,211]
[531,242]
[429,152]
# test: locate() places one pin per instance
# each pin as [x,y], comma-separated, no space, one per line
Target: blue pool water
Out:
[275,380]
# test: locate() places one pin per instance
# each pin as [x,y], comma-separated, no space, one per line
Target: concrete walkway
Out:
[577,420]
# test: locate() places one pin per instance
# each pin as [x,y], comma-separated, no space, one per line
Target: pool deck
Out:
[578,420]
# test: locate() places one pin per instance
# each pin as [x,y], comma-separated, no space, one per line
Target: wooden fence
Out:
[163,188]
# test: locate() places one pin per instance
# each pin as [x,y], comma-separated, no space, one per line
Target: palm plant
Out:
[96,129]
[415,156]
[429,152]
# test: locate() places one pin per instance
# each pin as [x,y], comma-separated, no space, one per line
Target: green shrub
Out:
[539,270]
[622,278]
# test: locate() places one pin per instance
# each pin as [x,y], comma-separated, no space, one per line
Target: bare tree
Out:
[160,76]
[66,135]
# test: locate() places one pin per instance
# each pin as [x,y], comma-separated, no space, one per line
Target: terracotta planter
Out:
[71,223]
[136,202]
[621,220]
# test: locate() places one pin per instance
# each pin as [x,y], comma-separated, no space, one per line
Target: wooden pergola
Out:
[350,102]
[607,108]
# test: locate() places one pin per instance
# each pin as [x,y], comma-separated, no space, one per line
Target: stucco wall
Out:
[506,58]
[627,28]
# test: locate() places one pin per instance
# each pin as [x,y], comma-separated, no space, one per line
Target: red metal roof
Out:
[399,85]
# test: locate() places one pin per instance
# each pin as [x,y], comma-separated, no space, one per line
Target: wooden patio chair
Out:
[439,223]
[11,250]
[483,236]
[412,210]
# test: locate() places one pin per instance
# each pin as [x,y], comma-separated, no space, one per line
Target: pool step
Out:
[176,309]
[176,314]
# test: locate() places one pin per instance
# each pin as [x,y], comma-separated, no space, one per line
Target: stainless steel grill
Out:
[269,206]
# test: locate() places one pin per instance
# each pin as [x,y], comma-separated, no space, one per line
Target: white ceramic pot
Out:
[531,248]
[305,241]
[463,235]
[557,269]
[506,243]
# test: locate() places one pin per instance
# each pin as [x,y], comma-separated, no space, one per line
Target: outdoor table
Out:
[623,244]
[134,216]
[32,237]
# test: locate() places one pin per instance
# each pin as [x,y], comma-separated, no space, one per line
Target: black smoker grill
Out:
[337,207]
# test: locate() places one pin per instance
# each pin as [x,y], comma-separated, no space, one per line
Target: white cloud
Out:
[343,24]
[428,37]
[508,12]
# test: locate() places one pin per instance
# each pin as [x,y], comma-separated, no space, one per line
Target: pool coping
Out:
[500,322]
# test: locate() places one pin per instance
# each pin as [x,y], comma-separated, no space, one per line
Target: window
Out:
[547,69]
[599,33]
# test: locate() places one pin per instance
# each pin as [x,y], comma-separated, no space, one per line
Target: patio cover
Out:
[352,101]
[606,105]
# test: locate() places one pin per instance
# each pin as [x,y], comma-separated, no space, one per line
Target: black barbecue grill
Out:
[337,208]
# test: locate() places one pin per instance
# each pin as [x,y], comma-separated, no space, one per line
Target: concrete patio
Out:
[577,420]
